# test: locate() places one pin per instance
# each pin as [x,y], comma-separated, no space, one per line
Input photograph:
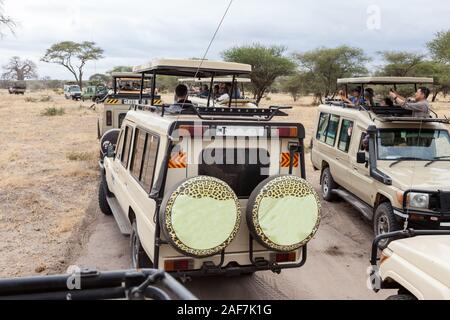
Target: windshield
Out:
[74,89]
[425,144]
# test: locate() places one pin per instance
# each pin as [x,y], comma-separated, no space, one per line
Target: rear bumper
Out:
[235,269]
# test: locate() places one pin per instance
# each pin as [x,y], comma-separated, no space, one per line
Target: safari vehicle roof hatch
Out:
[191,68]
[385,80]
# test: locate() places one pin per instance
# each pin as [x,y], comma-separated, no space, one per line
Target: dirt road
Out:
[335,268]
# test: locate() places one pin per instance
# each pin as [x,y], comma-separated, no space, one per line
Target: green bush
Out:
[79,156]
[50,112]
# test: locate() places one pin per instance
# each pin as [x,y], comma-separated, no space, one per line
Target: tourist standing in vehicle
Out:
[420,108]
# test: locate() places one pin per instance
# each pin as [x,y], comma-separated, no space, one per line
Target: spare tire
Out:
[110,137]
[200,217]
[283,213]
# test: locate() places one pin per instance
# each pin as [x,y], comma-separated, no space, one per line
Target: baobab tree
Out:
[18,69]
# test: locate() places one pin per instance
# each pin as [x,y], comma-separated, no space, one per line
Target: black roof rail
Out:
[214,113]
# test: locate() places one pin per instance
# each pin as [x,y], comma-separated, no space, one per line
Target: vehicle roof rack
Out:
[217,113]
[415,119]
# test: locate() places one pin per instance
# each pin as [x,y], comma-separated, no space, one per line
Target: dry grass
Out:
[52,111]
[45,187]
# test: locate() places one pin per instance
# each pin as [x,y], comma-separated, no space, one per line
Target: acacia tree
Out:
[73,56]
[400,63]
[17,69]
[268,64]
[439,47]
[5,21]
[322,67]
[120,69]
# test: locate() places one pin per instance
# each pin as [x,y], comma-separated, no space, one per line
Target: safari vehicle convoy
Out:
[391,166]
[128,89]
[205,190]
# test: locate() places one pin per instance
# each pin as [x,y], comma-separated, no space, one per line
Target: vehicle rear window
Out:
[241,169]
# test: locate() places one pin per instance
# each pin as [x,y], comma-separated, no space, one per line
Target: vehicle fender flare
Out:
[381,194]
[403,284]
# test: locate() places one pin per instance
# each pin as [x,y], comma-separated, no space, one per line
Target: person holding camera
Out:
[420,107]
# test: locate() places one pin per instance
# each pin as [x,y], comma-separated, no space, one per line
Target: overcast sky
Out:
[134,31]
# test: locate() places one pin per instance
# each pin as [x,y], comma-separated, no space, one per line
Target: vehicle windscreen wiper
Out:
[436,159]
[398,160]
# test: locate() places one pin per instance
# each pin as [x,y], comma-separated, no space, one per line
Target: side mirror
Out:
[361,157]
[111,151]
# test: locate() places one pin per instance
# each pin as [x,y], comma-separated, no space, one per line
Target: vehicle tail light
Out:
[109,118]
[178,265]
[284,257]
[193,130]
[285,132]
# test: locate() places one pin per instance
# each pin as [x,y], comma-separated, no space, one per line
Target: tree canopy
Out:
[120,69]
[439,47]
[5,21]
[268,64]
[18,69]
[73,56]
[322,67]
[400,63]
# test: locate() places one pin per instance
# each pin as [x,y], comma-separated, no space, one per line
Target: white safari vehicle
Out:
[417,265]
[211,190]
[126,92]
[392,167]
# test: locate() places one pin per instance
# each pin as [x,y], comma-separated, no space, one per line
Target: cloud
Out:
[134,31]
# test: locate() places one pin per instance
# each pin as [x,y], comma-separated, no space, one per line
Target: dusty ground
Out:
[48,178]
[49,216]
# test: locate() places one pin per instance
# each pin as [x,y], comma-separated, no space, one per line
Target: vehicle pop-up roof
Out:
[205,69]
[216,80]
[388,113]
[194,69]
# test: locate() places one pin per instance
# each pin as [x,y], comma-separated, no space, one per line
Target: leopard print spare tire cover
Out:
[201,216]
[283,213]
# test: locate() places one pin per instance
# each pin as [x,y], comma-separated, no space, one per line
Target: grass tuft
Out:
[51,112]
[79,156]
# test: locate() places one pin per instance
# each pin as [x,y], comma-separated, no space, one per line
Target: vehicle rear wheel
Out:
[139,259]
[328,185]
[102,193]
[402,297]
[384,221]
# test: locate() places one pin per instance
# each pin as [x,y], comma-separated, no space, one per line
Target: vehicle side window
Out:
[331,134]
[138,152]
[363,144]
[323,125]
[148,165]
[126,146]
[119,147]
[345,136]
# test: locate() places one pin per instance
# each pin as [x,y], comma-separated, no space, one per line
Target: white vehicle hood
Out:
[431,254]
[414,175]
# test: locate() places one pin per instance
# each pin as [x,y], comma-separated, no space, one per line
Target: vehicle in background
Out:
[237,84]
[18,87]
[416,264]
[392,167]
[72,91]
[209,191]
[126,92]
[94,93]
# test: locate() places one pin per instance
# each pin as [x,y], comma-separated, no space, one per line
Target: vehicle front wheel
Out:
[102,200]
[139,258]
[328,185]
[384,221]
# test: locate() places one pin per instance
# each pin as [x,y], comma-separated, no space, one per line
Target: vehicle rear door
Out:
[343,166]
